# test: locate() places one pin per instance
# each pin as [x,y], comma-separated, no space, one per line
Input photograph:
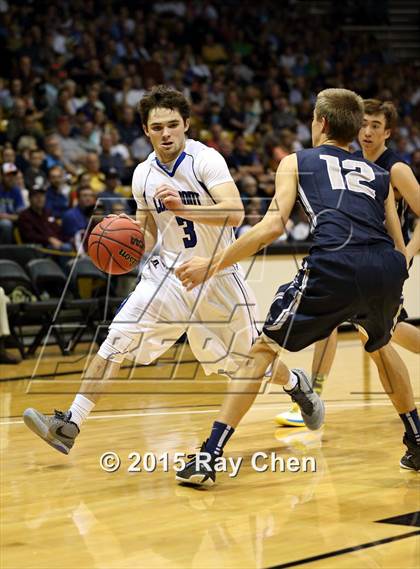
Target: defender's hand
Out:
[194,272]
[170,198]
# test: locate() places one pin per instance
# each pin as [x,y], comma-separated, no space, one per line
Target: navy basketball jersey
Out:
[386,161]
[343,196]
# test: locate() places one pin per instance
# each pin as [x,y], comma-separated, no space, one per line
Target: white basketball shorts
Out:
[219,318]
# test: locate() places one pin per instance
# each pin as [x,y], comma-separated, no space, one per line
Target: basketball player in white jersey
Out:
[185,193]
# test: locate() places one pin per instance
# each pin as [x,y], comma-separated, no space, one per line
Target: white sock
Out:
[80,409]
[293,381]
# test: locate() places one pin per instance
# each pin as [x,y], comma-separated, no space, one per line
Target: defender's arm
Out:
[413,246]
[403,179]
[392,223]
[273,224]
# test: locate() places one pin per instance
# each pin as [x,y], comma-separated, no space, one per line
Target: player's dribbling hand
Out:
[169,197]
[194,272]
[125,215]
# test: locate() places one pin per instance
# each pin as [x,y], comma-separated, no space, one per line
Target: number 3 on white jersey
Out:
[359,172]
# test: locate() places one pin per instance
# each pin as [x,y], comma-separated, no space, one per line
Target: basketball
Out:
[116,245]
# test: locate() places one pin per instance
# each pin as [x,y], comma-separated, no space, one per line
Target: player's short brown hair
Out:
[343,111]
[163,97]
[387,108]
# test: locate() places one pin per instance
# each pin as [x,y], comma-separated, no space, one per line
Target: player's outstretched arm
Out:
[413,246]
[403,179]
[392,222]
[227,211]
[197,269]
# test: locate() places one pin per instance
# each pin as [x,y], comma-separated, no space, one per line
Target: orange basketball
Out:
[116,245]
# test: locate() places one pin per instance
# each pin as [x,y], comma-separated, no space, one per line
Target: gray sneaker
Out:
[311,405]
[58,431]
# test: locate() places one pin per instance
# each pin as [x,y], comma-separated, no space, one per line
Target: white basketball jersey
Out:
[194,173]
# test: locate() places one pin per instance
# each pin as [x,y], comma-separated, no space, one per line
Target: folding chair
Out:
[11,276]
[21,254]
[24,313]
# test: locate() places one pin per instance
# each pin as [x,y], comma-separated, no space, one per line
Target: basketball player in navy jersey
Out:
[355,270]
[380,118]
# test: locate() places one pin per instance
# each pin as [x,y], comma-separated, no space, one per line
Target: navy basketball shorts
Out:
[403,316]
[358,284]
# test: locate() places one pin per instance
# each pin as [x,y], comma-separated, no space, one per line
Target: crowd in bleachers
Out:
[72,74]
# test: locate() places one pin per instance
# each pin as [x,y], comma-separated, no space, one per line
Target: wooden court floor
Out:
[354,511]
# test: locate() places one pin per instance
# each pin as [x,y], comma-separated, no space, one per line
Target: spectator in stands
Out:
[62,107]
[54,155]
[11,202]
[140,150]
[97,177]
[24,147]
[34,175]
[77,218]
[131,92]
[120,148]
[110,196]
[71,150]
[57,199]
[248,186]
[129,126]
[8,154]
[402,151]
[74,102]
[233,116]
[20,183]
[226,150]
[86,138]
[109,160]
[93,69]
[31,128]
[213,51]
[283,116]
[37,225]
[243,158]
[216,136]
[93,103]
[15,124]
[286,145]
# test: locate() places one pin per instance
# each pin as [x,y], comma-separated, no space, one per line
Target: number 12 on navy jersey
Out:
[358,173]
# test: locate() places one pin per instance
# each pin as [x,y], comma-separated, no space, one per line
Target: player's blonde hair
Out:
[343,110]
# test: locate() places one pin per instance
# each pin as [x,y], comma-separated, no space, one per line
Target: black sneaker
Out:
[58,431]
[411,459]
[311,405]
[199,471]
[7,358]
